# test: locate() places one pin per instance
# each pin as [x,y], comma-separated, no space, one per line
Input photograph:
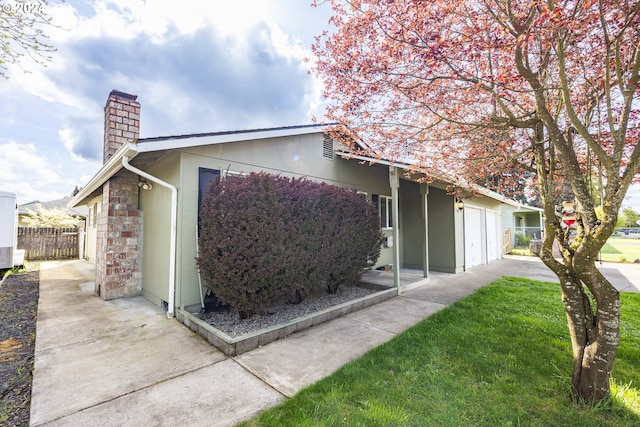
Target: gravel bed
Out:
[230,323]
[18,310]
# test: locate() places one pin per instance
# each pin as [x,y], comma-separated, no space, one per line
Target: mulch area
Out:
[18,310]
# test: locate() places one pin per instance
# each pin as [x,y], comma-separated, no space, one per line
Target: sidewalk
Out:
[123,363]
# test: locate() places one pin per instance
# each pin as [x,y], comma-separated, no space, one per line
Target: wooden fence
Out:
[49,243]
[506,241]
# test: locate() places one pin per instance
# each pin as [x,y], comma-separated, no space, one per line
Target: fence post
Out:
[81,242]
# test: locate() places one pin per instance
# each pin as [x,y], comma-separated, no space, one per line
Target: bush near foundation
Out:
[268,239]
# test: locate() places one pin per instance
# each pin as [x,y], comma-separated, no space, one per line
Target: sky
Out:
[195,65]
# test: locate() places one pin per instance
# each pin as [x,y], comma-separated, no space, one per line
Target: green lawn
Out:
[621,249]
[500,357]
[617,249]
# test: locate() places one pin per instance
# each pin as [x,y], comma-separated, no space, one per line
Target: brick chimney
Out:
[121,121]
[119,225]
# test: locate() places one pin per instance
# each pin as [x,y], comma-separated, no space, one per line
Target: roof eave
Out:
[178,142]
[109,169]
[476,188]
[131,149]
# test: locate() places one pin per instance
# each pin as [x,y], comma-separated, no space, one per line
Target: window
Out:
[385,208]
[94,210]
[205,178]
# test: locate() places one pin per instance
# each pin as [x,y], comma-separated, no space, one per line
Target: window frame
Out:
[385,210]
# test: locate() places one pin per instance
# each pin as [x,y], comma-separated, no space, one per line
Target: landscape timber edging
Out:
[234,346]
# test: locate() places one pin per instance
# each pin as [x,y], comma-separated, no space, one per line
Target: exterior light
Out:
[459,204]
[145,185]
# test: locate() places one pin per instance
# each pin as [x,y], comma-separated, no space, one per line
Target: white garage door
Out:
[472,237]
[492,236]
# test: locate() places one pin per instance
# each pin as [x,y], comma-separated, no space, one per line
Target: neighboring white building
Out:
[523,220]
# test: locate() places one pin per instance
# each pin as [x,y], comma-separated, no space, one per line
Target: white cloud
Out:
[38,83]
[159,20]
[632,199]
[31,175]
[195,66]
[80,139]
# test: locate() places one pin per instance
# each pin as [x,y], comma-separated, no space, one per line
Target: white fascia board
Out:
[198,141]
[528,209]
[109,169]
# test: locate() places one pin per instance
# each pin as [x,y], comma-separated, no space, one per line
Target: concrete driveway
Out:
[123,363]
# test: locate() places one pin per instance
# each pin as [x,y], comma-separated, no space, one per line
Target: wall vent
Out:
[327,147]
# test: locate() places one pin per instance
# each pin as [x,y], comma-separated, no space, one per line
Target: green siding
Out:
[411,225]
[156,207]
[442,226]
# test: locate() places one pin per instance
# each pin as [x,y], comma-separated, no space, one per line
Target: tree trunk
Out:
[592,306]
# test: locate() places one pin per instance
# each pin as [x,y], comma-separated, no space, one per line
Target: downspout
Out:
[174,221]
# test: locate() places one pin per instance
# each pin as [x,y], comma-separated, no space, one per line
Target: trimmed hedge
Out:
[267,239]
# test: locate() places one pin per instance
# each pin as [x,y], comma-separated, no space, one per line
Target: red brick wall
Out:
[119,239]
[121,122]
[119,227]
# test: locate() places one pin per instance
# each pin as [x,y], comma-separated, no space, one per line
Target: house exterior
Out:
[522,220]
[144,202]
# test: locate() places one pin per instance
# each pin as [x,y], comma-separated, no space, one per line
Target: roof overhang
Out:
[197,140]
[525,208]
[346,154]
[149,145]
[109,169]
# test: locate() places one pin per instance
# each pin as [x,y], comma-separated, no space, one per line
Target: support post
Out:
[424,192]
[394,182]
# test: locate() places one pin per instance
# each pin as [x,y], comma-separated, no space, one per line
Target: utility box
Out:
[8,228]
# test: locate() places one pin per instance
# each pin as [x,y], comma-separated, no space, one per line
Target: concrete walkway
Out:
[123,363]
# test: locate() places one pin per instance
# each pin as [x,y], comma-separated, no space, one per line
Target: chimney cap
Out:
[124,95]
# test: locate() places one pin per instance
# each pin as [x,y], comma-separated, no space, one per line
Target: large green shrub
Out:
[522,240]
[268,239]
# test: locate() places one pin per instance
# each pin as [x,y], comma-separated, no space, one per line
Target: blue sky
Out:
[195,66]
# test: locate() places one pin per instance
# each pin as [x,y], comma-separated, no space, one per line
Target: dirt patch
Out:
[9,349]
[18,310]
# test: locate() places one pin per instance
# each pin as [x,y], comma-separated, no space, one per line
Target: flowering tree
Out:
[22,34]
[478,86]
[53,217]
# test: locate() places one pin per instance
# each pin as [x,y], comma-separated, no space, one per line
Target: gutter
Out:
[174,221]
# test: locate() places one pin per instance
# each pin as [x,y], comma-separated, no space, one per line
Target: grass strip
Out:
[621,250]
